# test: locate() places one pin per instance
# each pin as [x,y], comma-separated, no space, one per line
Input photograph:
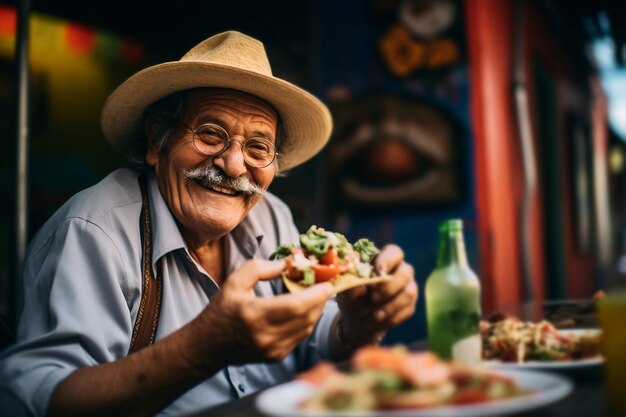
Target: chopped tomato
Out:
[330,258]
[325,272]
[292,272]
[328,268]
[424,369]
[380,358]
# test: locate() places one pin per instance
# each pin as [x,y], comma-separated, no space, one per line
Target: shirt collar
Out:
[166,236]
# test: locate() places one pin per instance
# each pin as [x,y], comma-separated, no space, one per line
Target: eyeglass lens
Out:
[258,152]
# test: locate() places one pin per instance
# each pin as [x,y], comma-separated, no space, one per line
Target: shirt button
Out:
[241,388]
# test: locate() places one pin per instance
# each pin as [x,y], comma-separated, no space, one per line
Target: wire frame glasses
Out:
[211,140]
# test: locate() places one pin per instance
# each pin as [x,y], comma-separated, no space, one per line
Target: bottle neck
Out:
[451,249]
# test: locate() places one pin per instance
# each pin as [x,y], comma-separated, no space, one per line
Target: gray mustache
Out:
[211,175]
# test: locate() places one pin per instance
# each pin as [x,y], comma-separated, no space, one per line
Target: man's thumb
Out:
[246,276]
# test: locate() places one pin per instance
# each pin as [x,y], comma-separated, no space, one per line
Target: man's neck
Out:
[211,257]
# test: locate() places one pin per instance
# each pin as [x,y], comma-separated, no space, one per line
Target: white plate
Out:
[282,400]
[572,365]
[566,366]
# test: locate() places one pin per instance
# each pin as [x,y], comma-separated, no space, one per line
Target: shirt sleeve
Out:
[75,313]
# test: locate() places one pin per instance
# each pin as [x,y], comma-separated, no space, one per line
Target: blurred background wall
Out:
[503,113]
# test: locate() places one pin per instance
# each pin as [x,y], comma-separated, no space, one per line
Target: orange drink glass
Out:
[612,315]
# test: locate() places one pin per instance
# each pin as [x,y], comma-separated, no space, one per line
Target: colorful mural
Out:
[73,68]
[400,159]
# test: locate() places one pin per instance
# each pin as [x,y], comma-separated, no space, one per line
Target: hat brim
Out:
[306,122]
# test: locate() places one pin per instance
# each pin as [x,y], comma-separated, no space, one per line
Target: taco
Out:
[328,256]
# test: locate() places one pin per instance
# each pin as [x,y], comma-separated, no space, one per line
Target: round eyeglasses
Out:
[211,140]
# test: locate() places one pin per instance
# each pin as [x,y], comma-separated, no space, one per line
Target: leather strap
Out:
[144,330]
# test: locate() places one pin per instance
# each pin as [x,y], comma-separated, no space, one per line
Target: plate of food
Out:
[510,343]
[325,256]
[392,382]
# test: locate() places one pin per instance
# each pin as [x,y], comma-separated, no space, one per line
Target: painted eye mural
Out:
[399,137]
[392,151]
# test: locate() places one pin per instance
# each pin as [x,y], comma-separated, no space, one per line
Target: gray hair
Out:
[164,113]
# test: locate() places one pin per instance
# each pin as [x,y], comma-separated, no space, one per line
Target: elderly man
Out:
[151,291]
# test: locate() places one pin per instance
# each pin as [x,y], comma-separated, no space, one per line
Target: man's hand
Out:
[240,327]
[368,311]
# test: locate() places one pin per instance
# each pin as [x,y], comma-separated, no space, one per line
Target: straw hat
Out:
[226,60]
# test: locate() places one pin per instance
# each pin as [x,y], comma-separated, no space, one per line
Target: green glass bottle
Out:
[453,299]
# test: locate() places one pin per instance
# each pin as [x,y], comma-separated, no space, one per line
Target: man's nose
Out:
[232,160]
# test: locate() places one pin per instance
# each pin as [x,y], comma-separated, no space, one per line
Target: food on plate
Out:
[384,378]
[328,256]
[509,339]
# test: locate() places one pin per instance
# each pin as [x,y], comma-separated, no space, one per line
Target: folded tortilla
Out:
[341,282]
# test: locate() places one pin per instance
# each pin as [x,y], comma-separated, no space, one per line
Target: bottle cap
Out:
[451,225]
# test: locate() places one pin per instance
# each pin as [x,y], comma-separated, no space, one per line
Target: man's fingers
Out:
[306,303]
[385,291]
[406,297]
[253,271]
[345,298]
[388,259]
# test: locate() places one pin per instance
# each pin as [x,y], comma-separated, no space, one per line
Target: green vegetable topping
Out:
[281,252]
[366,249]
[315,241]
[308,277]
[344,247]
[547,354]
[389,382]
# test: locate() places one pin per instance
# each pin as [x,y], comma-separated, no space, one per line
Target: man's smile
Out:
[217,188]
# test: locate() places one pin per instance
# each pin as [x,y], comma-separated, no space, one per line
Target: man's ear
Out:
[151,129]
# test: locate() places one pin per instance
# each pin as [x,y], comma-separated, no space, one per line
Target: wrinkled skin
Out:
[205,215]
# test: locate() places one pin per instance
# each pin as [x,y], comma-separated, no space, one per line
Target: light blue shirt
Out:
[82,287]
